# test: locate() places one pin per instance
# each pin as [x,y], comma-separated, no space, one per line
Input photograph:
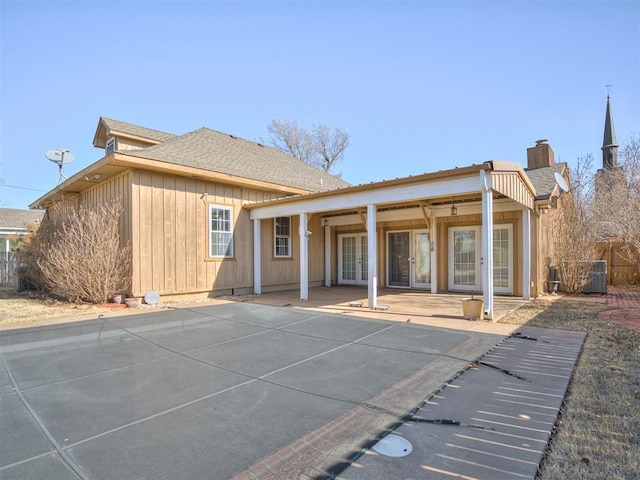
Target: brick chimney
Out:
[540,156]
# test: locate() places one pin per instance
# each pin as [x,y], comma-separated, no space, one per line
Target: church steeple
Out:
[609,143]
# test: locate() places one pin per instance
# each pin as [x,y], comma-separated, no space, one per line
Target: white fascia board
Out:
[377,196]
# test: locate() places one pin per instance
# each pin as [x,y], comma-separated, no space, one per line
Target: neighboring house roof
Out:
[107,127]
[543,180]
[12,219]
[220,152]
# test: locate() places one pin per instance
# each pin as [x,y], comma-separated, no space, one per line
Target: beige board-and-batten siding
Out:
[283,273]
[170,241]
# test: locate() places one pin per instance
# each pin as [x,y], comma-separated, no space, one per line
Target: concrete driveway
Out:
[214,392]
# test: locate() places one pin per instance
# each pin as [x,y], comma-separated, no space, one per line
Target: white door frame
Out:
[411,259]
[414,283]
[477,287]
[361,274]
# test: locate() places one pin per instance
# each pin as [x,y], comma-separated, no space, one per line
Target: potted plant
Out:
[472,308]
[118,298]
[132,302]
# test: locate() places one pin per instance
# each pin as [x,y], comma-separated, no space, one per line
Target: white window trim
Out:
[210,231]
[276,254]
[110,146]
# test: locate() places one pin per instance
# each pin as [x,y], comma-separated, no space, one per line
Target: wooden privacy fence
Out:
[621,269]
[9,270]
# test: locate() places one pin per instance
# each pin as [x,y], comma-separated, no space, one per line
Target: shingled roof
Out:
[543,180]
[220,152]
[14,219]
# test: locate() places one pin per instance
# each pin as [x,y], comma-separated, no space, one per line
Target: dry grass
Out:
[598,433]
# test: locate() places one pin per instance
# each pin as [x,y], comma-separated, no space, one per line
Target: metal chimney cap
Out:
[542,141]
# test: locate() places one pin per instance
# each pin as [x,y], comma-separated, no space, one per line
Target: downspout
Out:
[487,243]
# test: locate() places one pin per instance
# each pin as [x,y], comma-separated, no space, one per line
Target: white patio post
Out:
[327,253]
[487,243]
[257,261]
[372,256]
[304,258]
[433,238]
[526,254]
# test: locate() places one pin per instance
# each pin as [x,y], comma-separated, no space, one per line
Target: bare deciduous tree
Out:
[601,209]
[574,239]
[321,146]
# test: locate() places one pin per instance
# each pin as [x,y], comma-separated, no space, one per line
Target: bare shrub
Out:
[28,252]
[573,235]
[82,257]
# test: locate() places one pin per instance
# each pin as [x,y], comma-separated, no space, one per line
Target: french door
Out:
[409,259]
[464,258]
[352,259]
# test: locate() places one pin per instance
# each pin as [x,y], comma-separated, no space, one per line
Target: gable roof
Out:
[223,153]
[107,127]
[543,180]
[15,219]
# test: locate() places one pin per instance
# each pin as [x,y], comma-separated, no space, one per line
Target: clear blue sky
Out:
[419,86]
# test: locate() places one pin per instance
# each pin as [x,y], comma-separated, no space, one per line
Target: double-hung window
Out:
[282,232]
[220,232]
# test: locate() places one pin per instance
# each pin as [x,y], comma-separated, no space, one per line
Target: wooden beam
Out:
[363,219]
[425,215]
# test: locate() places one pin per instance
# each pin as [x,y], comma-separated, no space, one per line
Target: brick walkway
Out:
[625,307]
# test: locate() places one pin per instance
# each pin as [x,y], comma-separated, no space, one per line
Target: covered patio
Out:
[420,307]
[430,233]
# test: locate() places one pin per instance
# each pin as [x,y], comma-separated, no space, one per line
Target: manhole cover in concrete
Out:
[393,446]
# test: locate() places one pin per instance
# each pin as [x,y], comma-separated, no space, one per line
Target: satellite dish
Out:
[562,183]
[60,156]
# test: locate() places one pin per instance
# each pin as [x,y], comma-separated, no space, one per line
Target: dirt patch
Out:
[31,309]
[28,309]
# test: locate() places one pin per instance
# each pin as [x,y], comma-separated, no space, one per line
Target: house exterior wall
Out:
[513,218]
[284,273]
[170,237]
[543,235]
[130,144]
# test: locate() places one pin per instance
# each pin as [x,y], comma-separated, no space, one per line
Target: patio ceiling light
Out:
[454,209]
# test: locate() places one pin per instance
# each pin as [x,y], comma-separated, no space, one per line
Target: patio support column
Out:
[487,243]
[257,261]
[372,256]
[327,253]
[304,258]
[433,239]
[526,254]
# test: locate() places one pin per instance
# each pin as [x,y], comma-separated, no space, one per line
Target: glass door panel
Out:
[464,268]
[464,258]
[398,259]
[421,264]
[352,259]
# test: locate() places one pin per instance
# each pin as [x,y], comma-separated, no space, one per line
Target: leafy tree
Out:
[320,146]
